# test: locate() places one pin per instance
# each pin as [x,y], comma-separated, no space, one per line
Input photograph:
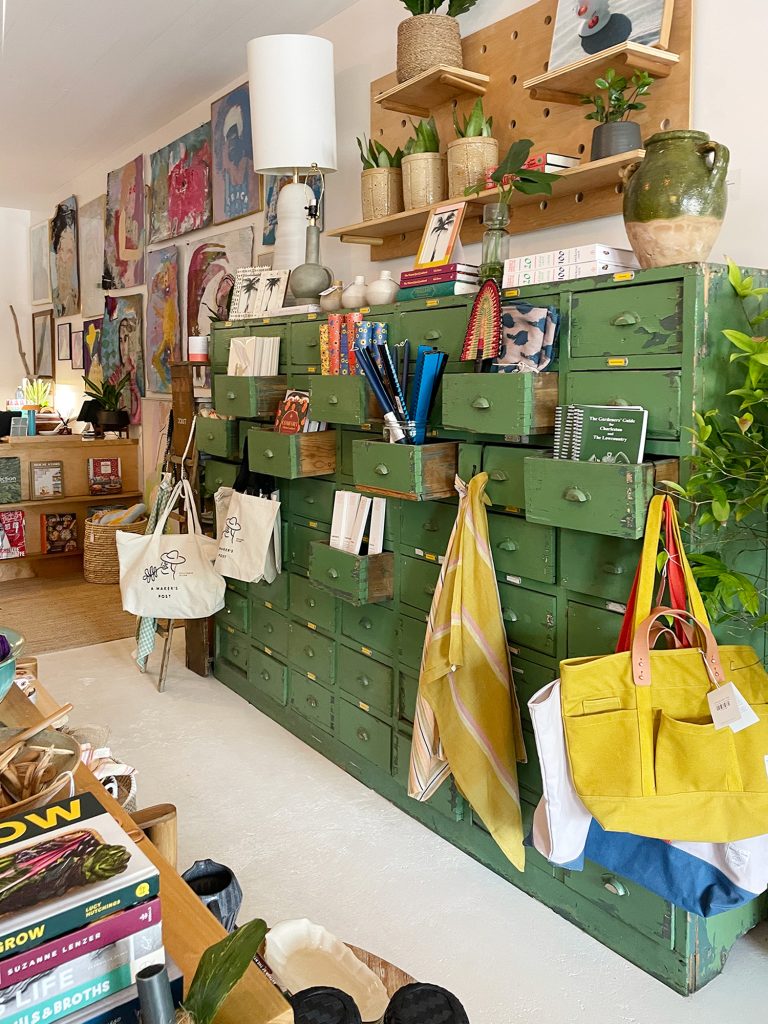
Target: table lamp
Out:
[293,120]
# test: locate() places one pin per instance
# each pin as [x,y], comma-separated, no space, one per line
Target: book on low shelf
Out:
[436,291]
[601,433]
[105,476]
[46,479]
[13,543]
[292,412]
[58,532]
[10,480]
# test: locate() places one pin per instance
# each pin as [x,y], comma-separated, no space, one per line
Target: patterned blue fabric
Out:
[528,338]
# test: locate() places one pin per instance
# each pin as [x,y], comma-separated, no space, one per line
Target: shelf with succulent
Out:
[474,152]
[424,177]
[615,133]
[381,183]
[427,38]
[109,396]
[510,176]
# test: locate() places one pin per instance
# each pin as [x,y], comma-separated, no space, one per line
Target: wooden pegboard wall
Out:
[511,51]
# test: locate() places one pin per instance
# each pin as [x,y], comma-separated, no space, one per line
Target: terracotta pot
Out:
[675,198]
[382,192]
[470,161]
[424,180]
[426,40]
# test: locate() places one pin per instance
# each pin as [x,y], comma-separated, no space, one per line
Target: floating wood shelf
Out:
[419,96]
[575,182]
[75,499]
[569,83]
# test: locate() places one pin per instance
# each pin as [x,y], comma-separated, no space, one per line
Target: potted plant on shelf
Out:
[37,393]
[615,133]
[110,415]
[428,38]
[381,182]
[424,181]
[473,153]
[509,177]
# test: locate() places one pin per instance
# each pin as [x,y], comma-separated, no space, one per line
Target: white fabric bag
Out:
[247,537]
[170,576]
[221,500]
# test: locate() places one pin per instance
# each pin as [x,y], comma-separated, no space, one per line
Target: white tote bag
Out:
[170,576]
[247,537]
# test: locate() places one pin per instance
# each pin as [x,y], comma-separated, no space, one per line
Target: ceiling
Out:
[81,79]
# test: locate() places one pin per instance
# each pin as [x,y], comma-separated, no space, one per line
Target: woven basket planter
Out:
[381,192]
[426,40]
[100,563]
[470,161]
[424,180]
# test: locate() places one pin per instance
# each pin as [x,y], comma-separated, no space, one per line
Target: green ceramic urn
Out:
[675,198]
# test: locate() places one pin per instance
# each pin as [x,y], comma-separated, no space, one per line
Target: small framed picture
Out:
[77,350]
[43,344]
[441,233]
[257,292]
[63,341]
[46,479]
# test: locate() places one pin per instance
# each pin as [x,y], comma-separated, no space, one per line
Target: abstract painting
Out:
[63,341]
[124,226]
[163,328]
[91,224]
[236,186]
[585,29]
[92,367]
[39,246]
[181,185]
[122,350]
[65,283]
[42,343]
[77,350]
[211,277]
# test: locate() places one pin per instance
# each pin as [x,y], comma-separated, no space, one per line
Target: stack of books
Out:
[79,916]
[350,519]
[567,264]
[600,433]
[435,282]
[552,163]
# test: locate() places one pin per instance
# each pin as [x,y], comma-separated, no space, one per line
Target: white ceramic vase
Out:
[383,290]
[353,296]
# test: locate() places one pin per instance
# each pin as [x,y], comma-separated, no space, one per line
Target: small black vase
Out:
[615,137]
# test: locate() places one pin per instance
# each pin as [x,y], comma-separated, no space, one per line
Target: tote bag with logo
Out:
[170,576]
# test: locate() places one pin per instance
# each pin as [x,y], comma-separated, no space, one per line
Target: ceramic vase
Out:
[310,277]
[675,198]
[426,40]
[381,192]
[615,137]
[470,161]
[424,180]
[331,301]
[354,295]
[382,291]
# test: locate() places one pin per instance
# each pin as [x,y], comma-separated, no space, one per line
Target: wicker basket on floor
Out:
[100,563]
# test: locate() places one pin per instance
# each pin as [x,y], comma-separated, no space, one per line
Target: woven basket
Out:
[469,161]
[424,182]
[381,192]
[100,563]
[426,40]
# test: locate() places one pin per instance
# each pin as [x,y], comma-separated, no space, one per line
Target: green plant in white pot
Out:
[474,153]
[424,180]
[428,39]
[381,183]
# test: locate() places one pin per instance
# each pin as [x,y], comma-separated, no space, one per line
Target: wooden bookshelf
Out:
[419,96]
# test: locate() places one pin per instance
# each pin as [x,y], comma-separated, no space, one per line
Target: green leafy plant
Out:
[37,392]
[373,154]
[221,967]
[425,138]
[511,176]
[108,395]
[621,96]
[455,7]
[476,125]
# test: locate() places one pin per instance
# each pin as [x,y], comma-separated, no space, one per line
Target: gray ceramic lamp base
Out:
[614,138]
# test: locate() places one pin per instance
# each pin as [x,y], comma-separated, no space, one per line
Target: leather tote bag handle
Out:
[641,661]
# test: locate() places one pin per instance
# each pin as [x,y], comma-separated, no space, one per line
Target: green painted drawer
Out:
[358,579]
[312,605]
[217,437]
[301,536]
[626,901]
[594,497]
[410,639]
[269,594]
[530,618]
[345,452]
[254,398]
[218,474]
[529,679]
[426,527]
[232,646]
[407,692]
[235,611]
[441,326]
[313,498]
[506,480]
[599,566]
[500,403]
[592,631]
[643,319]
[268,676]
[292,455]
[372,627]
[445,801]
[305,342]
[416,472]
[365,679]
[221,338]
[522,549]
[312,652]
[238,586]
[270,628]
[658,391]
[347,400]
[311,700]
[418,581]
[364,734]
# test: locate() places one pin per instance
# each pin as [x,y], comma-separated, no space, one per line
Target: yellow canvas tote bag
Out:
[644,754]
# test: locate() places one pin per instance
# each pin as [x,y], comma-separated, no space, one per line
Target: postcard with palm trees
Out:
[258,291]
[441,235]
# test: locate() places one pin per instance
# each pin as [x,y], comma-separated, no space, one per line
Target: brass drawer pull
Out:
[265,675]
[364,680]
[613,885]
[333,574]
[613,570]
[576,494]
[498,474]
[312,701]
[333,400]
[509,615]
[309,651]
[508,545]
[625,319]
[381,469]
[268,453]
[481,403]
[362,735]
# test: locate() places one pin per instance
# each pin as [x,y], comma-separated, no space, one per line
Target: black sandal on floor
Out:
[425,1004]
[323,1005]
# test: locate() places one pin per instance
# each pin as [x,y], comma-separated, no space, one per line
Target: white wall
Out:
[15,290]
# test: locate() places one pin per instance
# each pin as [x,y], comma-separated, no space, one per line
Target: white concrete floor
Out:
[305,839]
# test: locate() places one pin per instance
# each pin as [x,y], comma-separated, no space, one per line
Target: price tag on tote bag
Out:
[728,708]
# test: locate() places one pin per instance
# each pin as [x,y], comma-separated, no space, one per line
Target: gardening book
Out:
[65,865]
[123,1007]
[58,532]
[10,480]
[436,291]
[45,480]
[105,476]
[13,542]
[608,433]
[292,412]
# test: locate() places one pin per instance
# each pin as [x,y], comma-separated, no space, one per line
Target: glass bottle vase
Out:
[495,242]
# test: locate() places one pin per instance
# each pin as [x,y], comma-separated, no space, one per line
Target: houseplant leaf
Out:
[221,967]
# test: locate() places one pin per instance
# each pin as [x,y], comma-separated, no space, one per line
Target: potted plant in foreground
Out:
[615,133]
[428,38]
[424,182]
[473,153]
[110,415]
[381,183]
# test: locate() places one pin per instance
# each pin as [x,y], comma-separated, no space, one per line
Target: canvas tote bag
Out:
[677,777]
[170,576]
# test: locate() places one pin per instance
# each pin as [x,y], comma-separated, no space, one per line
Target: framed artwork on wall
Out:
[40,259]
[258,290]
[65,279]
[124,226]
[213,265]
[63,341]
[236,186]
[582,30]
[92,367]
[44,357]
[163,333]
[122,348]
[181,185]
[91,238]
[77,350]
